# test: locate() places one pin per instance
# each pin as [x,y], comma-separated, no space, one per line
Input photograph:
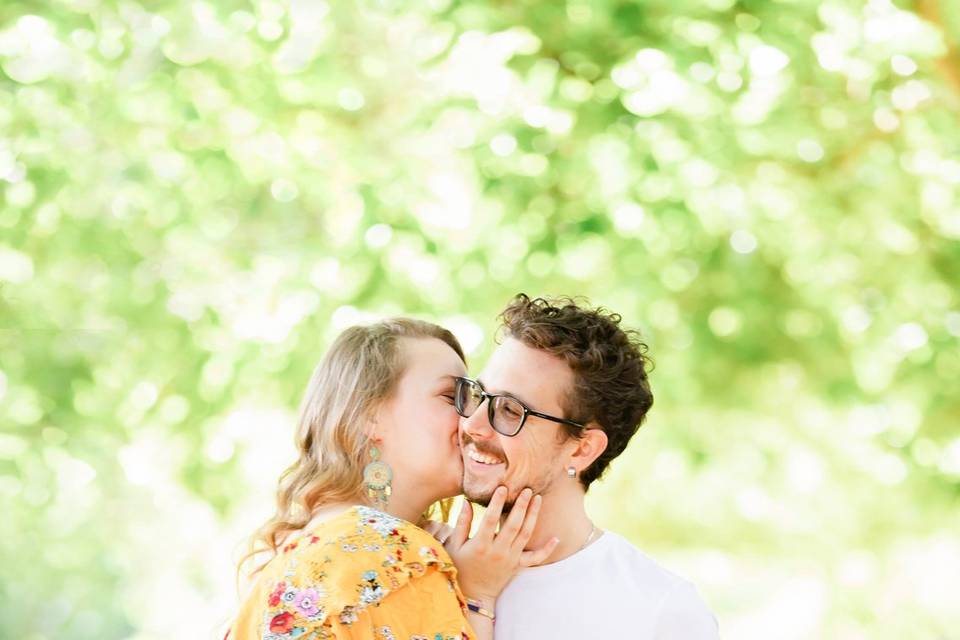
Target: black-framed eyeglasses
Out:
[507,415]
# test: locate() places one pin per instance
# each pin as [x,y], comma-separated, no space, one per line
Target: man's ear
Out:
[589,447]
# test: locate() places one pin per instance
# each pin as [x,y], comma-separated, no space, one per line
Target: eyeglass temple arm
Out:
[555,419]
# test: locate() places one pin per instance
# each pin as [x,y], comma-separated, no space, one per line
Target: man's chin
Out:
[478,495]
[483,496]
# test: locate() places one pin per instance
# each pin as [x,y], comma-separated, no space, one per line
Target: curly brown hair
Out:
[609,363]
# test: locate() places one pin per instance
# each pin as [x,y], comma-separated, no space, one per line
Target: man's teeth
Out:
[481,458]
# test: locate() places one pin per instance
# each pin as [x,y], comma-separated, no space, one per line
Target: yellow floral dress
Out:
[363,575]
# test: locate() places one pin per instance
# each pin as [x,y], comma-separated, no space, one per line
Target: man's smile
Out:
[471,452]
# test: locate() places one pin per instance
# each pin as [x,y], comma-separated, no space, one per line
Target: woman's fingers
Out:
[444,531]
[529,524]
[490,519]
[461,531]
[511,526]
[536,556]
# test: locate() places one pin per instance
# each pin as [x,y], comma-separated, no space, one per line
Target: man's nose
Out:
[478,426]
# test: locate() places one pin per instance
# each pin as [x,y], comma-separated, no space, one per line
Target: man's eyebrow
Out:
[505,393]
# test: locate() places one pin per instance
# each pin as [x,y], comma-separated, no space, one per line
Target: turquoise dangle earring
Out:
[377,475]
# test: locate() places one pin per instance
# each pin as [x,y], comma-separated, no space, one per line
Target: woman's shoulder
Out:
[363,536]
[362,530]
[348,563]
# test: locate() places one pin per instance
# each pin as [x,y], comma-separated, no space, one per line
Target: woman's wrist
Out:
[481,595]
[481,607]
[481,598]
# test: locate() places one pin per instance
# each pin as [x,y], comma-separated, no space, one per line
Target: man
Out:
[559,399]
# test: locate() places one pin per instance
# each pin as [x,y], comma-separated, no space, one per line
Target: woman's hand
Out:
[486,562]
[439,530]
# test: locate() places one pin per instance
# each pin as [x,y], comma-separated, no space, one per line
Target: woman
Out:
[378,445]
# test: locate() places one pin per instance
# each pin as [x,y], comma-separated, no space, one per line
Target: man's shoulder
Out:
[645,570]
[681,610]
[622,586]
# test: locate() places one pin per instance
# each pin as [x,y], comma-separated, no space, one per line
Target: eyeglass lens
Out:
[506,413]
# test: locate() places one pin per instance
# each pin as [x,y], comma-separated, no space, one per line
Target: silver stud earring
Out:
[571,472]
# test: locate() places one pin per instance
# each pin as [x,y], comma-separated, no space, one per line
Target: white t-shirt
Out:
[608,590]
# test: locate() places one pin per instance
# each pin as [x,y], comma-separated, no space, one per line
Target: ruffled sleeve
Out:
[369,577]
[405,589]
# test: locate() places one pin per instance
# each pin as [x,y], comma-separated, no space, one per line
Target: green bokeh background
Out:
[196,197]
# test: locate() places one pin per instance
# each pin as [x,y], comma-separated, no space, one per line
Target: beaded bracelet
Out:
[477,607]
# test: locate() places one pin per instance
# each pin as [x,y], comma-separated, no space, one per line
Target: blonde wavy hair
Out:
[359,372]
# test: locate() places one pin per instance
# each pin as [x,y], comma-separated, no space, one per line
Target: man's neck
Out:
[564,516]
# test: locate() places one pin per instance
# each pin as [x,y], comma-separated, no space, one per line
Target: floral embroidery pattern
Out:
[349,615]
[372,592]
[312,586]
[383,523]
[282,623]
[299,606]
[306,602]
[277,594]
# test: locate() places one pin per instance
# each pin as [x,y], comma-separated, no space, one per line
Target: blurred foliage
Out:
[197,196]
